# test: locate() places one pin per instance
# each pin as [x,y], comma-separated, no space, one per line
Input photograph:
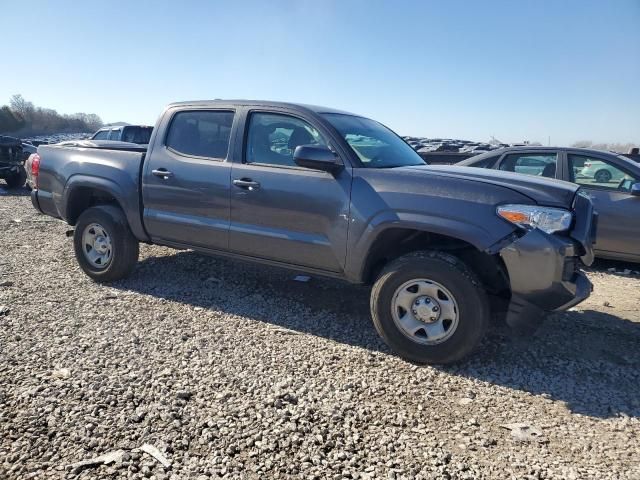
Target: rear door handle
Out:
[162,172]
[246,183]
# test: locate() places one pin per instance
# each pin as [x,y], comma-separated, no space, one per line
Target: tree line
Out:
[22,118]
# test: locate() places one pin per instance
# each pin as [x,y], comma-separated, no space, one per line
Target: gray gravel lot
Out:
[237,371]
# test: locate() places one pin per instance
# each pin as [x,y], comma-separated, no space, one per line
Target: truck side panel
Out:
[71,178]
[429,203]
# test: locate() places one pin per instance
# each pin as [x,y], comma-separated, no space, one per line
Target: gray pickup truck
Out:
[335,194]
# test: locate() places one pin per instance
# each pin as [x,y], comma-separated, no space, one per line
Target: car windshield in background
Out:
[140,135]
[375,144]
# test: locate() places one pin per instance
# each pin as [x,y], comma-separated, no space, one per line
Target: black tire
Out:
[17,180]
[462,283]
[602,176]
[125,247]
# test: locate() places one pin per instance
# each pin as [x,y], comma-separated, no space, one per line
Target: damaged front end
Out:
[544,269]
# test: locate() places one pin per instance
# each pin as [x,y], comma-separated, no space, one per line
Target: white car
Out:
[600,172]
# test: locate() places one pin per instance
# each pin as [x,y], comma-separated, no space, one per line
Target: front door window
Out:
[273,138]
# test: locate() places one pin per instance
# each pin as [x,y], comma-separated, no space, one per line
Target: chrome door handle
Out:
[246,183]
[162,172]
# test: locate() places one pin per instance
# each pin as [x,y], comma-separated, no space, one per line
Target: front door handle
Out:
[246,183]
[162,172]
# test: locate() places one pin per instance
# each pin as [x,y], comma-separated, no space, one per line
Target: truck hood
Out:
[542,190]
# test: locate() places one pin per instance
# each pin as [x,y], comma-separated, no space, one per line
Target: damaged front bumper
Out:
[545,269]
[544,272]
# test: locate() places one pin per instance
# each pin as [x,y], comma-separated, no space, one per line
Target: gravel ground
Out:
[236,371]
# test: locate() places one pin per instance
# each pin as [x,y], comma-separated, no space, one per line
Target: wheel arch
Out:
[82,192]
[396,241]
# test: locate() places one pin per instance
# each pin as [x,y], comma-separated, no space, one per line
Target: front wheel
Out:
[430,308]
[105,248]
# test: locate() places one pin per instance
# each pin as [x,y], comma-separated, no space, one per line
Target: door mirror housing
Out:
[316,157]
[635,189]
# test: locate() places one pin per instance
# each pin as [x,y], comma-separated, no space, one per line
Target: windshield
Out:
[375,144]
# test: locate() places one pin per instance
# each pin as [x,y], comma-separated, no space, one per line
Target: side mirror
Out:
[317,158]
[635,189]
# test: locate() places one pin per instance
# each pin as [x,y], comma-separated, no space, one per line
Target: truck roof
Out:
[259,103]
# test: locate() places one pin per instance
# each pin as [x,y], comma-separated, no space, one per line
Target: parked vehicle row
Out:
[611,181]
[335,194]
[438,145]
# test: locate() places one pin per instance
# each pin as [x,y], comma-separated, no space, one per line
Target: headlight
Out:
[547,219]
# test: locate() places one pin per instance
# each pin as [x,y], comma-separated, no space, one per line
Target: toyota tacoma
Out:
[335,194]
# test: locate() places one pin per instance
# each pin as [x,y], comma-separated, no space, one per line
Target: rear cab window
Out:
[200,133]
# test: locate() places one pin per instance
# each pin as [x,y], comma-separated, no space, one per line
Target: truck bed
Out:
[115,167]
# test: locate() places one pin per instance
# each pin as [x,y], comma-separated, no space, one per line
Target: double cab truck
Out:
[335,194]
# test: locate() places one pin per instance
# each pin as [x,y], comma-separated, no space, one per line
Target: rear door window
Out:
[594,172]
[201,133]
[539,164]
[115,135]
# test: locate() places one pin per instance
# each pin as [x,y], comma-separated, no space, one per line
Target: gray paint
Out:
[311,220]
[65,169]
[618,225]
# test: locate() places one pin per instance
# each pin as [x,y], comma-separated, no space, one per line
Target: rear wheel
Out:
[430,308]
[18,179]
[105,248]
[603,176]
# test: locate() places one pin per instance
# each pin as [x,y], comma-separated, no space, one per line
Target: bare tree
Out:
[26,119]
[21,107]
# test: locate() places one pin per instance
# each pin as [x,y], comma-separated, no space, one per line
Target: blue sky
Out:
[467,69]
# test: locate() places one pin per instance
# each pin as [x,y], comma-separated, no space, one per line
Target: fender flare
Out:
[109,187]
[86,181]
[471,233]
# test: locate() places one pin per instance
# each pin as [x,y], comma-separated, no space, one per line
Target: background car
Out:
[612,181]
[600,172]
[139,134]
